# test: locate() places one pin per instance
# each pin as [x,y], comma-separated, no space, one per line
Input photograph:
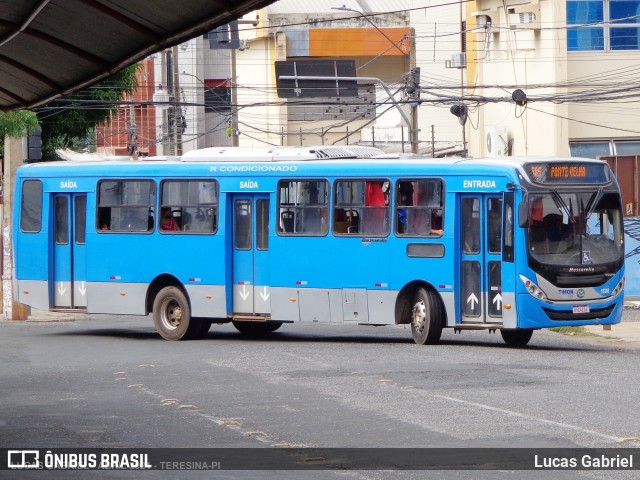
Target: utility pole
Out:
[413,90]
[414,96]
[133,134]
[234,101]
[177,111]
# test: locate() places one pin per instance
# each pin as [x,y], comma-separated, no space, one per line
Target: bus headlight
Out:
[533,289]
[619,287]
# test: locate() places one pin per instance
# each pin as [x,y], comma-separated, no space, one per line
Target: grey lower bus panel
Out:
[116,298]
[315,305]
[334,305]
[34,293]
[509,315]
[382,305]
[284,304]
[207,300]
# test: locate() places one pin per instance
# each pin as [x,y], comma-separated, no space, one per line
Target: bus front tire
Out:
[516,338]
[426,318]
[172,315]
[257,328]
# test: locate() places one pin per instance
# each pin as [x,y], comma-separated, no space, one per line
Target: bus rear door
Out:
[69,250]
[251,294]
[481,258]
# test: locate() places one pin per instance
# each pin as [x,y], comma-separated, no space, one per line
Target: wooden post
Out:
[13,158]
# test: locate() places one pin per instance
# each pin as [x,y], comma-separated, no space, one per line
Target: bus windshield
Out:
[575,228]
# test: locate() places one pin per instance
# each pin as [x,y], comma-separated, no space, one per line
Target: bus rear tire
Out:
[172,315]
[257,328]
[516,338]
[426,318]
[203,326]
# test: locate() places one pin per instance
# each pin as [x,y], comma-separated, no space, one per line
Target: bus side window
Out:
[419,208]
[361,207]
[303,207]
[124,205]
[193,205]
[31,206]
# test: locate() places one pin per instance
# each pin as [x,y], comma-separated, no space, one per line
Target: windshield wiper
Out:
[562,206]
[593,202]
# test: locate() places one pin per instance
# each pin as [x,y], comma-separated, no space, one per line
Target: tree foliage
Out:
[16,124]
[68,121]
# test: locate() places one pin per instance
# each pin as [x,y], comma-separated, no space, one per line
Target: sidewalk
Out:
[628,330]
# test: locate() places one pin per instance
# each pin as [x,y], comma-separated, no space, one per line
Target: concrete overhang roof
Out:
[50,48]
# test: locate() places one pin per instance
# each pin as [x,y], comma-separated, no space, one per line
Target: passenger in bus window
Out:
[167,222]
[436,221]
[405,198]
[420,218]
[324,220]
[375,218]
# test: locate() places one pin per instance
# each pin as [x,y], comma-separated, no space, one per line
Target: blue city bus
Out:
[263,237]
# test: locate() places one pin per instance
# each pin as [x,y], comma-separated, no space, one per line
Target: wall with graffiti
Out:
[632,256]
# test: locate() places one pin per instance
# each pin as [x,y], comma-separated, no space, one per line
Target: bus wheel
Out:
[172,316]
[516,338]
[426,318]
[257,328]
[203,326]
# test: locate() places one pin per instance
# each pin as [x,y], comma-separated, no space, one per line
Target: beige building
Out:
[384,39]
[576,69]
[572,72]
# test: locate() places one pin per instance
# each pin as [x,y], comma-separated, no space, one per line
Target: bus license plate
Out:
[581,309]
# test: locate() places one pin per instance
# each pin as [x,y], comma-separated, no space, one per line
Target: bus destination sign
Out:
[555,173]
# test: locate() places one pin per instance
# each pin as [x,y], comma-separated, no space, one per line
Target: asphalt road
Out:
[109,381]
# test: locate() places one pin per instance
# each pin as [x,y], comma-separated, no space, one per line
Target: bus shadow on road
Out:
[230,336]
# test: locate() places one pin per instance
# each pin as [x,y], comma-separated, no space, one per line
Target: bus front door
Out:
[481,259]
[69,254]
[251,294]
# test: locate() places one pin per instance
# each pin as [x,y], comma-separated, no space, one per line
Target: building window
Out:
[590,149]
[627,148]
[303,207]
[217,96]
[603,25]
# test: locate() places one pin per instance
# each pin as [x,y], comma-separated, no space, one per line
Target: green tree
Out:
[16,124]
[69,121]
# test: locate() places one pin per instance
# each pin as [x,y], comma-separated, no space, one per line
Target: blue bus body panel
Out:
[536,317]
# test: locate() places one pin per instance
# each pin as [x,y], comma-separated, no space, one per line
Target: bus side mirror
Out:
[523,214]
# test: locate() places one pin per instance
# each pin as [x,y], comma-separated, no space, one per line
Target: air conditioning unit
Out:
[458,60]
[497,141]
[525,16]
[522,18]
